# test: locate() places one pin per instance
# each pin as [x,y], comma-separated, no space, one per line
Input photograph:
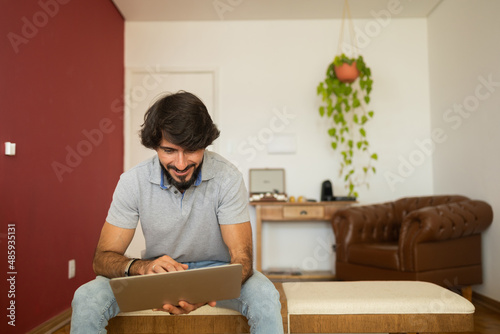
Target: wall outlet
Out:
[71,269]
[10,148]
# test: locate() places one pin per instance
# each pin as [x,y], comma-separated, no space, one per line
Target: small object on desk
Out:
[344,198]
[268,197]
[267,180]
[327,191]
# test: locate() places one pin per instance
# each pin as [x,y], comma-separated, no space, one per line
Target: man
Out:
[193,208]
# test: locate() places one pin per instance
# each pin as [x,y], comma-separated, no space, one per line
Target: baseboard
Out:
[53,324]
[486,301]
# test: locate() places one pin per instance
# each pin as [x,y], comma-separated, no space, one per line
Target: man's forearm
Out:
[247,269]
[111,264]
[238,239]
[245,258]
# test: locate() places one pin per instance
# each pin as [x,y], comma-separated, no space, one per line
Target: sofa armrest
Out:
[439,223]
[364,224]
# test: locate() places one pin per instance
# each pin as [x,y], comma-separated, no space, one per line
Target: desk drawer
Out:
[305,211]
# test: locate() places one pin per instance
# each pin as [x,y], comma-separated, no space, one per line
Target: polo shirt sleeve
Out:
[233,204]
[124,209]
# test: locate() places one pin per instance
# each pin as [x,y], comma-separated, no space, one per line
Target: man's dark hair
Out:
[180,118]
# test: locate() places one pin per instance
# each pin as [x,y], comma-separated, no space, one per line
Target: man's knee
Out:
[268,296]
[92,293]
[81,296]
[261,283]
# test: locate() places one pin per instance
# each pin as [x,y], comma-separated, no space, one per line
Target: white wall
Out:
[268,69]
[464,52]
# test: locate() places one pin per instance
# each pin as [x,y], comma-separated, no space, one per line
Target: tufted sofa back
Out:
[404,206]
[445,222]
[380,223]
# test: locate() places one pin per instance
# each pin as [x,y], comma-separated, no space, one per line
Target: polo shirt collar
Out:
[156,176]
[208,168]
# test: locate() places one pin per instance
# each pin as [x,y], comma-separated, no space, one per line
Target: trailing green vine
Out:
[344,103]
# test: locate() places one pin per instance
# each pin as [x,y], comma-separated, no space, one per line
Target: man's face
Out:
[180,164]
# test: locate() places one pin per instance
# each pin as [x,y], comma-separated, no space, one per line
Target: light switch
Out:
[71,268]
[10,148]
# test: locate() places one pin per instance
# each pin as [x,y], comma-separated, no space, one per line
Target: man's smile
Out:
[180,173]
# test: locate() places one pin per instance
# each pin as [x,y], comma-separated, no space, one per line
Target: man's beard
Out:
[184,184]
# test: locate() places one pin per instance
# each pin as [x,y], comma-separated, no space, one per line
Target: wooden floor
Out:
[485,322]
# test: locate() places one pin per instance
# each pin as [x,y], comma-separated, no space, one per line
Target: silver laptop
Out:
[144,292]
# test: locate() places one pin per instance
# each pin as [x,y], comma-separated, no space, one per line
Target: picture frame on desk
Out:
[267,185]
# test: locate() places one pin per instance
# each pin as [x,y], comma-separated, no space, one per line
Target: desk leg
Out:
[258,210]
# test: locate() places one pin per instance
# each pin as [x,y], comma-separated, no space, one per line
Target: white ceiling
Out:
[203,10]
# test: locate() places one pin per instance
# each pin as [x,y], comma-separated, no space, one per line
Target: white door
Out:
[143,88]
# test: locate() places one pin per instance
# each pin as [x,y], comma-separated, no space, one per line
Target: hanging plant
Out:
[344,104]
[346,69]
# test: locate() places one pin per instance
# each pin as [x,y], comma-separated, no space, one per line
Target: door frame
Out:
[152,70]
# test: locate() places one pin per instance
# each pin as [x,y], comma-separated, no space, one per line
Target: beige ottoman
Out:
[375,307]
[206,319]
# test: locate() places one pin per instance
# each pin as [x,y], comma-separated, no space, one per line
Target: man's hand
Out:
[183,307]
[167,264]
[160,265]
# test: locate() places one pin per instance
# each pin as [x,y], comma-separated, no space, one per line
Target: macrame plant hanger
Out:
[346,71]
[346,12]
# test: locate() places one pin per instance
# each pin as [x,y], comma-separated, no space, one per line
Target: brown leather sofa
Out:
[435,239]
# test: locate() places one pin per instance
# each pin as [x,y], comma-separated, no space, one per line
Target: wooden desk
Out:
[286,211]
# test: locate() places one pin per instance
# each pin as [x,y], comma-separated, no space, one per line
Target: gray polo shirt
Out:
[183,226]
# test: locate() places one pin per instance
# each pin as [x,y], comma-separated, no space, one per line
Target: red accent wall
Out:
[61,93]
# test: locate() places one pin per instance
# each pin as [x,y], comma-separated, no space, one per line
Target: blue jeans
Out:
[94,304]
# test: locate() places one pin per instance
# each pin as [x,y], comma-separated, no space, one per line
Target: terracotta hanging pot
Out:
[347,73]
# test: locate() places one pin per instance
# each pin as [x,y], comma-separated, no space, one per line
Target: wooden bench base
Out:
[327,307]
[380,323]
[202,324]
[205,320]
[376,307]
